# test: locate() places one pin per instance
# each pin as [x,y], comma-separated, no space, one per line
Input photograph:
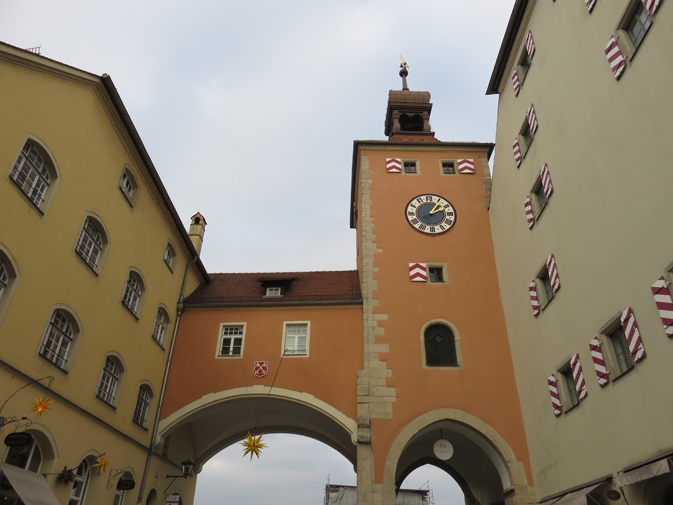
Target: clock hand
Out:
[436,208]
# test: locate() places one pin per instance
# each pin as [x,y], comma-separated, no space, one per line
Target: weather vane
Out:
[403,73]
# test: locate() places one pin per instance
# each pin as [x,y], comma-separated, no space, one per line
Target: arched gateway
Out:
[378,363]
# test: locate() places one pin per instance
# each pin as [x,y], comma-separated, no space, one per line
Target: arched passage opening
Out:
[481,463]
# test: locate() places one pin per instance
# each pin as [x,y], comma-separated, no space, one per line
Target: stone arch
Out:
[510,471]
[274,410]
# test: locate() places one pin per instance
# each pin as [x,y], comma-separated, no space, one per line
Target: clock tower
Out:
[437,386]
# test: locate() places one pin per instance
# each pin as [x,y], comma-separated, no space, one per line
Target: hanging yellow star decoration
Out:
[253,445]
[41,405]
[102,463]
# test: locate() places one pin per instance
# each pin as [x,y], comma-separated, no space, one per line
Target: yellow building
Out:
[93,263]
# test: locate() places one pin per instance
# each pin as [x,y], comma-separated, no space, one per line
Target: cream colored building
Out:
[602,129]
[93,262]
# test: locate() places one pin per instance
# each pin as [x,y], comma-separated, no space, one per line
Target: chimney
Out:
[196,231]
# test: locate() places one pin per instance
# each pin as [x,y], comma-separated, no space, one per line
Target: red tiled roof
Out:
[303,287]
[413,139]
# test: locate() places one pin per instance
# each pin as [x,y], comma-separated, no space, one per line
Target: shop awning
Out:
[31,487]
[578,497]
[660,467]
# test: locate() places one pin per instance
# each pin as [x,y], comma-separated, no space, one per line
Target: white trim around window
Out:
[93,242]
[231,340]
[9,280]
[133,294]
[296,339]
[128,185]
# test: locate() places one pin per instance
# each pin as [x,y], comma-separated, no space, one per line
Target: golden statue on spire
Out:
[403,73]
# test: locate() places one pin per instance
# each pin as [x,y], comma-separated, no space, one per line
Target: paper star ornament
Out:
[253,445]
[41,405]
[102,463]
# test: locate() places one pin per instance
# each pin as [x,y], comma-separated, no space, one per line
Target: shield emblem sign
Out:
[260,369]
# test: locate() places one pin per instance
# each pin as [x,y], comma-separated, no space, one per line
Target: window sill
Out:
[26,197]
[614,379]
[109,405]
[54,365]
[442,367]
[159,344]
[229,356]
[294,355]
[126,197]
[568,411]
[141,426]
[544,305]
[83,260]
[135,316]
[169,267]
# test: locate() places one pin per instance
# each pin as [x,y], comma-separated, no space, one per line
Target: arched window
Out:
[129,186]
[133,293]
[92,243]
[109,381]
[34,173]
[142,405]
[81,484]
[27,457]
[120,494]
[170,256]
[58,339]
[152,497]
[440,346]
[8,280]
[160,324]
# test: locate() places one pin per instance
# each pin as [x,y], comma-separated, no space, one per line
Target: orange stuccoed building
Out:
[404,362]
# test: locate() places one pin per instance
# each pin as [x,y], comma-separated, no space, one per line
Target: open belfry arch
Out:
[381,363]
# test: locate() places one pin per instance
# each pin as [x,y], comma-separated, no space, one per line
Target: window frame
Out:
[523,64]
[524,135]
[611,333]
[442,266]
[623,34]
[448,162]
[167,321]
[104,246]
[112,391]
[567,387]
[221,337]
[170,262]
[132,197]
[142,408]
[284,349]
[84,480]
[457,346]
[34,445]
[545,292]
[11,283]
[417,166]
[537,191]
[273,288]
[135,309]
[50,165]
[73,339]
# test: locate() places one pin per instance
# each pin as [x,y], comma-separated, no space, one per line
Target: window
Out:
[129,186]
[440,346]
[160,325]
[231,340]
[296,339]
[4,277]
[538,198]
[547,291]
[79,487]
[523,66]
[271,292]
[410,167]
[92,244]
[547,282]
[8,280]
[448,167]
[170,256]
[620,348]
[142,405]
[526,138]
[133,293]
[33,173]
[109,380]
[27,457]
[436,274]
[120,494]
[569,384]
[57,342]
[637,25]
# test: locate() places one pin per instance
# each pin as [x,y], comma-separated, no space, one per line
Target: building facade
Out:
[583,251]
[93,263]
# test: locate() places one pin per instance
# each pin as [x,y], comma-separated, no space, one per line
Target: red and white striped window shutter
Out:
[578,377]
[465,166]
[418,272]
[530,218]
[651,6]
[546,181]
[532,119]
[535,303]
[515,82]
[590,4]
[530,45]
[394,165]
[662,297]
[633,339]
[599,362]
[553,392]
[517,152]
[553,273]
[615,57]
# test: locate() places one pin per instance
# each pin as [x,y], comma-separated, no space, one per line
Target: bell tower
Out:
[438,383]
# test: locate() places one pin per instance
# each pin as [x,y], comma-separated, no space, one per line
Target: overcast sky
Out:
[249,111]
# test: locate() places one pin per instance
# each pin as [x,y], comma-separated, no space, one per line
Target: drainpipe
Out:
[180,308]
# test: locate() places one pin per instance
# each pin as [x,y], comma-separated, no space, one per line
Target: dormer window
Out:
[273,292]
[275,287]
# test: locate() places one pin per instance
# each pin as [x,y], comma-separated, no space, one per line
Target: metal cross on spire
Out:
[403,73]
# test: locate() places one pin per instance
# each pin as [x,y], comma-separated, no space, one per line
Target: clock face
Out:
[431,214]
